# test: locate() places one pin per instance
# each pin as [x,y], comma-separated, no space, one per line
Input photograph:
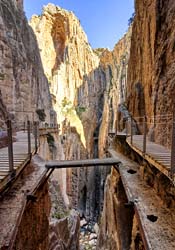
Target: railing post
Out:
[10,146]
[29,138]
[126,125]
[173,147]
[116,127]
[36,135]
[144,135]
[131,126]
[24,126]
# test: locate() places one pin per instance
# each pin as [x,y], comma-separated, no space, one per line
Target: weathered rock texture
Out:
[86,88]
[114,65]
[117,219]
[23,84]
[64,224]
[77,91]
[33,231]
[68,62]
[64,233]
[150,88]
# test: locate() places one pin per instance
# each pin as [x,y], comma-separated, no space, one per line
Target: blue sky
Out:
[104,21]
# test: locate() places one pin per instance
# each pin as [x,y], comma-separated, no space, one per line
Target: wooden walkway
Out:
[45,131]
[157,155]
[20,154]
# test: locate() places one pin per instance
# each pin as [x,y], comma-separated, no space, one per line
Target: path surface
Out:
[21,157]
[157,155]
[160,234]
[13,204]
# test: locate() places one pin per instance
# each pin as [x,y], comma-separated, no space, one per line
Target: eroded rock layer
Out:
[23,84]
[86,88]
[150,88]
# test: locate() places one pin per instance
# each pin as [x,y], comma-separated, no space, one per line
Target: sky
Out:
[104,21]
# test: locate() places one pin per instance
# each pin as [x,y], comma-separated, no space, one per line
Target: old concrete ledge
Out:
[158,234]
[13,204]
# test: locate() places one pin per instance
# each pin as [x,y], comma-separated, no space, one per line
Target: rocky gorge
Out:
[48,68]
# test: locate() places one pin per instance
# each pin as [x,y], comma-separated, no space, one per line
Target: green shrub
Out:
[66,107]
[50,140]
[80,110]
[2,76]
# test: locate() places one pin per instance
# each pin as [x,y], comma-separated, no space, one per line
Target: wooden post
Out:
[131,121]
[24,126]
[173,147]
[10,146]
[36,135]
[126,125]
[116,127]
[29,138]
[144,135]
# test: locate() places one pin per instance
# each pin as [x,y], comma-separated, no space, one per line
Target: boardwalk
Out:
[21,157]
[157,155]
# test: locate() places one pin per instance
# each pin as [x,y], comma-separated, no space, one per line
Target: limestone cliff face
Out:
[69,64]
[23,84]
[115,65]
[64,234]
[86,88]
[77,86]
[114,234]
[150,88]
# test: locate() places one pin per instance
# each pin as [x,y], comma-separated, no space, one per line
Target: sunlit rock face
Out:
[114,64]
[87,86]
[151,76]
[77,86]
[23,84]
[68,62]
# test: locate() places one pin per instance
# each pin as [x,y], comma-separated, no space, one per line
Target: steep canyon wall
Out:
[150,87]
[23,84]
[86,88]
[150,92]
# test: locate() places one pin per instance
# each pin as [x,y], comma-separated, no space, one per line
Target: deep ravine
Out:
[49,73]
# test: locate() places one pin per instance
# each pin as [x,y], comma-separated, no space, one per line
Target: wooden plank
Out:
[15,160]
[20,156]
[165,169]
[3,173]
[82,163]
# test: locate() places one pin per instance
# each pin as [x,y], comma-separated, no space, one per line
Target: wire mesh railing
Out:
[29,133]
[159,129]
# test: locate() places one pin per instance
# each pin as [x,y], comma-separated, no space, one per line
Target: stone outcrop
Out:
[77,91]
[114,64]
[116,221]
[33,231]
[150,87]
[68,62]
[86,88]
[23,84]
[64,233]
